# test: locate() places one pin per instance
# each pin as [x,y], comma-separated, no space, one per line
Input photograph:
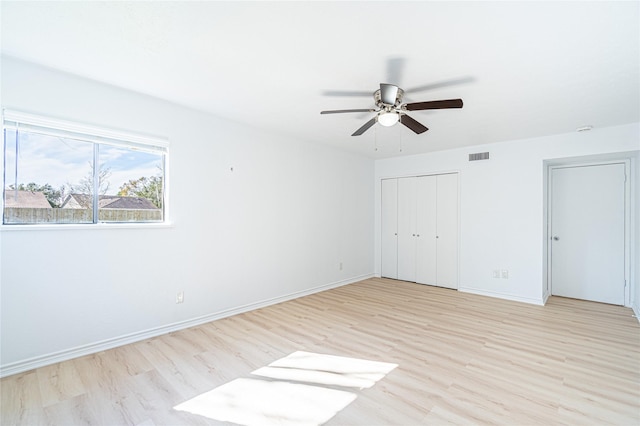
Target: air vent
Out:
[479,156]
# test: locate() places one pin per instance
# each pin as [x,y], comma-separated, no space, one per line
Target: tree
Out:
[85,186]
[144,187]
[55,197]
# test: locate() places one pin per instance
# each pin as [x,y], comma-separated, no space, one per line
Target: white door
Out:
[587,232]
[389,234]
[426,230]
[407,229]
[447,233]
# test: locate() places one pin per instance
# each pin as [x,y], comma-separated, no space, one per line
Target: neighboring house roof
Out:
[115,202]
[81,201]
[25,199]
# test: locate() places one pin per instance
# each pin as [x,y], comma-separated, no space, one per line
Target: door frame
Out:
[573,163]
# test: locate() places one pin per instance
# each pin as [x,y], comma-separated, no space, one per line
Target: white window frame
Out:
[13,119]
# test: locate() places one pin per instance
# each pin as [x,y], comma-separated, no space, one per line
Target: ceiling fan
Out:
[390,109]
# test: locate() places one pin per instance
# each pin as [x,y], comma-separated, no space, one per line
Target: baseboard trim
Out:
[636,311]
[499,295]
[91,348]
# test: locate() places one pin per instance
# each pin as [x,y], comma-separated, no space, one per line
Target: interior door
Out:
[447,233]
[407,229]
[389,232]
[426,230]
[587,232]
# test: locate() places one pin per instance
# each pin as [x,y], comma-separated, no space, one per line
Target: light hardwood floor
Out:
[462,358]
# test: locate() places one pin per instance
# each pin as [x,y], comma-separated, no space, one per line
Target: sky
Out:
[62,161]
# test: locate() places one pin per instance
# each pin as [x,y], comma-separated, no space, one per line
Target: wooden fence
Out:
[17,215]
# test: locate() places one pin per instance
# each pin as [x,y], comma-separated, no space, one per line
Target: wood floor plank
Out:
[59,382]
[461,358]
[20,401]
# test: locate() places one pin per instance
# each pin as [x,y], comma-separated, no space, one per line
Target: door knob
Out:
[556,238]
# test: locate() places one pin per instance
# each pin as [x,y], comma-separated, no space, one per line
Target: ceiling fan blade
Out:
[388,93]
[340,111]
[346,93]
[449,103]
[440,84]
[364,128]
[412,124]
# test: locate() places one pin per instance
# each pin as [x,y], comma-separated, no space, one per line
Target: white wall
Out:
[635,230]
[275,227]
[502,206]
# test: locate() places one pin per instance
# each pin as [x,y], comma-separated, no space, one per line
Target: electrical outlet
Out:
[496,273]
[341,266]
[504,273]
[180,297]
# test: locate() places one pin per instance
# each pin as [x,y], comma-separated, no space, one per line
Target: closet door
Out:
[447,231]
[426,230]
[389,234]
[407,229]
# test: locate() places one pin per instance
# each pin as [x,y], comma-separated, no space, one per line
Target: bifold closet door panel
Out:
[447,233]
[407,229]
[426,220]
[389,221]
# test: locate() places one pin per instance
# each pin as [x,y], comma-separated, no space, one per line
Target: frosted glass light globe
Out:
[388,119]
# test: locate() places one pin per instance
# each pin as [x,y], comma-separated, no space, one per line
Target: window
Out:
[59,172]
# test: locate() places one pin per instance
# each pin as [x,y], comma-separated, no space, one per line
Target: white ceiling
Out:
[523,69]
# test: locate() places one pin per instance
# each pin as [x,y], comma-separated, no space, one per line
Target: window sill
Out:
[84,226]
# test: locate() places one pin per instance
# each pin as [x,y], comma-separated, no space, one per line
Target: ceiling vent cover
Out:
[479,156]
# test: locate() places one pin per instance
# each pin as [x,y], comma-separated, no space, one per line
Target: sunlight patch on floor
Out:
[326,370]
[297,395]
[262,402]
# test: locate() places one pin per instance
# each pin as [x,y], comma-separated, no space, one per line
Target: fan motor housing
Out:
[378,98]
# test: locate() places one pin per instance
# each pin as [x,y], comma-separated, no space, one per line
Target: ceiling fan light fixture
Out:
[388,118]
[390,109]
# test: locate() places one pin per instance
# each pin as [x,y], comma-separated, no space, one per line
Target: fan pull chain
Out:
[400,130]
